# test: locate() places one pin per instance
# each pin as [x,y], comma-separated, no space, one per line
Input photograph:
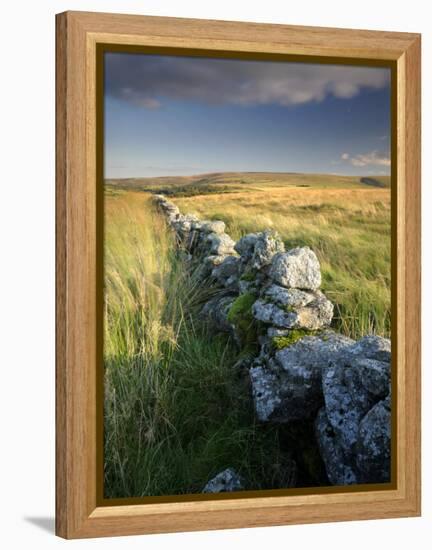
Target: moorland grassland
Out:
[169,382]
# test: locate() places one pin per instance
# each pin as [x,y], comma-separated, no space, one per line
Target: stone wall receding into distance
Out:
[300,369]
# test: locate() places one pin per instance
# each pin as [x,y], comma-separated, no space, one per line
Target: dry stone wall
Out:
[269,300]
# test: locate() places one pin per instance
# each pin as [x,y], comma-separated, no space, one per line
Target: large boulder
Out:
[352,384]
[297,268]
[288,387]
[355,423]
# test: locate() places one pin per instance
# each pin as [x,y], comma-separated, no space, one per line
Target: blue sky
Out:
[183,115]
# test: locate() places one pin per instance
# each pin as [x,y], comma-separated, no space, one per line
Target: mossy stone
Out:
[240,315]
[281,342]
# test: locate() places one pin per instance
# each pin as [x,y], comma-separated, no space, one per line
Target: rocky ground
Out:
[269,300]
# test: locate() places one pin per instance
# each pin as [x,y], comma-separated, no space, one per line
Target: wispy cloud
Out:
[148,80]
[374,158]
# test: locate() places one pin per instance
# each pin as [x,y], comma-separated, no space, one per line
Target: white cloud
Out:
[374,158]
[146,80]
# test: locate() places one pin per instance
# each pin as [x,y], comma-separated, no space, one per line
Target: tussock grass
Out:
[176,411]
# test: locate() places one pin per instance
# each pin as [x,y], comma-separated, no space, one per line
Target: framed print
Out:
[238,275]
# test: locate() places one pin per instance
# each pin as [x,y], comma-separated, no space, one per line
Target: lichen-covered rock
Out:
[182,224]
[288,386]
[374,444]
[356,389]
[220,243]
[288,297]
[352,384]
[340,469]
[266,246]
[373,347]
[267,312]
[316,315]
[265,392]
[297,268]
[226,273]
[369,460]
[224,482]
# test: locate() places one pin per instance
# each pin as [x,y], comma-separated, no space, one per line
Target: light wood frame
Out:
[77,512]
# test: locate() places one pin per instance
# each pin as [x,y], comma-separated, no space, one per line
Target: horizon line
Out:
[200,174]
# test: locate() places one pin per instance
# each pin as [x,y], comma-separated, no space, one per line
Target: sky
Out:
[169,116]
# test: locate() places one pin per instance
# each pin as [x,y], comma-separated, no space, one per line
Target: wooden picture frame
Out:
[78,510]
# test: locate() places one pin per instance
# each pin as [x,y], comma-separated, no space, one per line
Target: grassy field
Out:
[346,222]
[168,382]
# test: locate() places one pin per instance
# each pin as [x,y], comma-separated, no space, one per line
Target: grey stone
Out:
[314,351]
[356,389]
[216,226]
[171,208]
[224,482]
[265,392]
[247,286]
[215,312]
[220,243]
[352,384]
[215,260]
[267,312]
[374,444]
[373,347]
[340,470]
[226,273]
[266,246]
[288,386]
[273,332]
[291,297]
[246,245]
[316,315]
[182,224]
[297,268]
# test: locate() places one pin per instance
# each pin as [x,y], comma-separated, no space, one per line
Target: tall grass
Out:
[176,411]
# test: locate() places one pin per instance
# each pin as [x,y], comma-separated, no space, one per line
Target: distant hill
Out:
[231,182]
[381,181]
